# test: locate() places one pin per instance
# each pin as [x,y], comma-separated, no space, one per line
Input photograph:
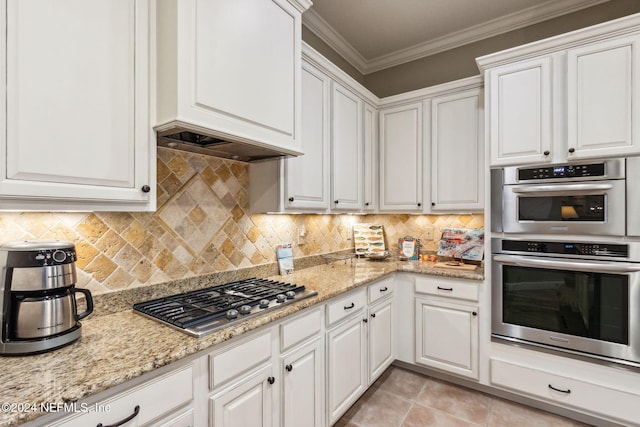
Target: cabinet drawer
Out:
[583,395]
[381,289]
[239,358]
[299,329]
[447,287]
[343,306]
[154,398]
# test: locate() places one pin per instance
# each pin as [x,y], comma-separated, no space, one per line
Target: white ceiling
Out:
[377,34]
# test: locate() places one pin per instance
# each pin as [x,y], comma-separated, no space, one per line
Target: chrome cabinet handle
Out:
[591,267]
[136,411]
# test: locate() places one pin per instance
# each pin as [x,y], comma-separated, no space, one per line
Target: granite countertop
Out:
[123,345]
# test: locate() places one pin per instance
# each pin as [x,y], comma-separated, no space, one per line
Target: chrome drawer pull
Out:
[567,391]
[136,411]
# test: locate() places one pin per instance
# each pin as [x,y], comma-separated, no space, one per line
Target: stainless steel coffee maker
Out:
[38,296]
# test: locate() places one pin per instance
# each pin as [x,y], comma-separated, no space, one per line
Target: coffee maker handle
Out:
[87,295]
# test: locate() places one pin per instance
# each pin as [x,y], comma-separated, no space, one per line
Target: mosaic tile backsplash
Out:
[201,226]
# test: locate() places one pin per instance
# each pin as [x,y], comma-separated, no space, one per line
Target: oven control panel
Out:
[566,248]
[562,171]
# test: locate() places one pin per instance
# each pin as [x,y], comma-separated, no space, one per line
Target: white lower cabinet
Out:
[346,364]
[248,402]
[162,401]
[446,326]
[360,343]
[303,386]
[568,391]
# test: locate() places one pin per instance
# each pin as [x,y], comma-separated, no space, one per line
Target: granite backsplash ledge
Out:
[202,227]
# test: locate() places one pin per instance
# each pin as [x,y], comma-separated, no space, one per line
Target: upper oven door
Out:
[586,207]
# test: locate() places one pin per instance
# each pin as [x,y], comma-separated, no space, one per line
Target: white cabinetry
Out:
[232,68]
[457,151]
[347,149]
[370,121]
[302,371]
[381,327]
[360,343]
[162,401]
[519,112]
[299,183]
[401,158]
[565,389]
[75,107]
[346,352]
[603,81]
[565,98]
[447,325]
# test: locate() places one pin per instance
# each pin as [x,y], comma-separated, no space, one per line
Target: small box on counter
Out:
[409,248]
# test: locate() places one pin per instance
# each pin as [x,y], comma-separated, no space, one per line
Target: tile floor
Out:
[401,398]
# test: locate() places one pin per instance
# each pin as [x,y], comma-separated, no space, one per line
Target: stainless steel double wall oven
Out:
[566,267]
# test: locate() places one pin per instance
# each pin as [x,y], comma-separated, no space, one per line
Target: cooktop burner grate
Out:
[203,311]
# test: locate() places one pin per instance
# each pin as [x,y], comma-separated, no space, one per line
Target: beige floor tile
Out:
[402,383]
[457,401]
[380,409]
[421,416]
[509,414]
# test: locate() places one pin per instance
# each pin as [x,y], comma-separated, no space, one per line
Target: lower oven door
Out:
[589,307]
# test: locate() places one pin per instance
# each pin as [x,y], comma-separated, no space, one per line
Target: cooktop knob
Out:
[264,303]
[245,309]
[232,314]
[280,298]
[290,294]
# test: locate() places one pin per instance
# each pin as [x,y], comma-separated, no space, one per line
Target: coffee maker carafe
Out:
[38,296]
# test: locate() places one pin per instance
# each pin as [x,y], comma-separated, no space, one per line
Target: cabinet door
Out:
[603,85]
[247,403]
[303,386]
[519,112]
[307,176]
[457,161]
[401,158]
[346,364]
[447,336]
[77,105]
[370,158]
[246,76]
[381,338]
[346,149]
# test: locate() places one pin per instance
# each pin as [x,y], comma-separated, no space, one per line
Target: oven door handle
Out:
[541,190]
[573,265]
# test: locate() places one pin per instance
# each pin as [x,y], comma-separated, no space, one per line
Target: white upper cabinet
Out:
[346,149]
[307,176]
[520,100]
[603,82]
[401,158]
[232,68]
[75,108]
[457,151]
[571,97]
[370,122]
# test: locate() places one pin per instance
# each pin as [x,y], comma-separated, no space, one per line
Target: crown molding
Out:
[533,15]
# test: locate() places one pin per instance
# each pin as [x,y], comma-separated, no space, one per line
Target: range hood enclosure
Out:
[229,85]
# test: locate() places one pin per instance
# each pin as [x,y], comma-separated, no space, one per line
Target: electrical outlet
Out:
[349,232]
[302,235]
[427,233]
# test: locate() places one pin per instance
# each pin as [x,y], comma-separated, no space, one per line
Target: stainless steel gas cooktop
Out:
[204,311]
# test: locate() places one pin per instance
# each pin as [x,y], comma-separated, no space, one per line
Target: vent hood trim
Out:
[196,139]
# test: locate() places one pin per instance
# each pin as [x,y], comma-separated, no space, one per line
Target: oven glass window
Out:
[562,208]
[592,305]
